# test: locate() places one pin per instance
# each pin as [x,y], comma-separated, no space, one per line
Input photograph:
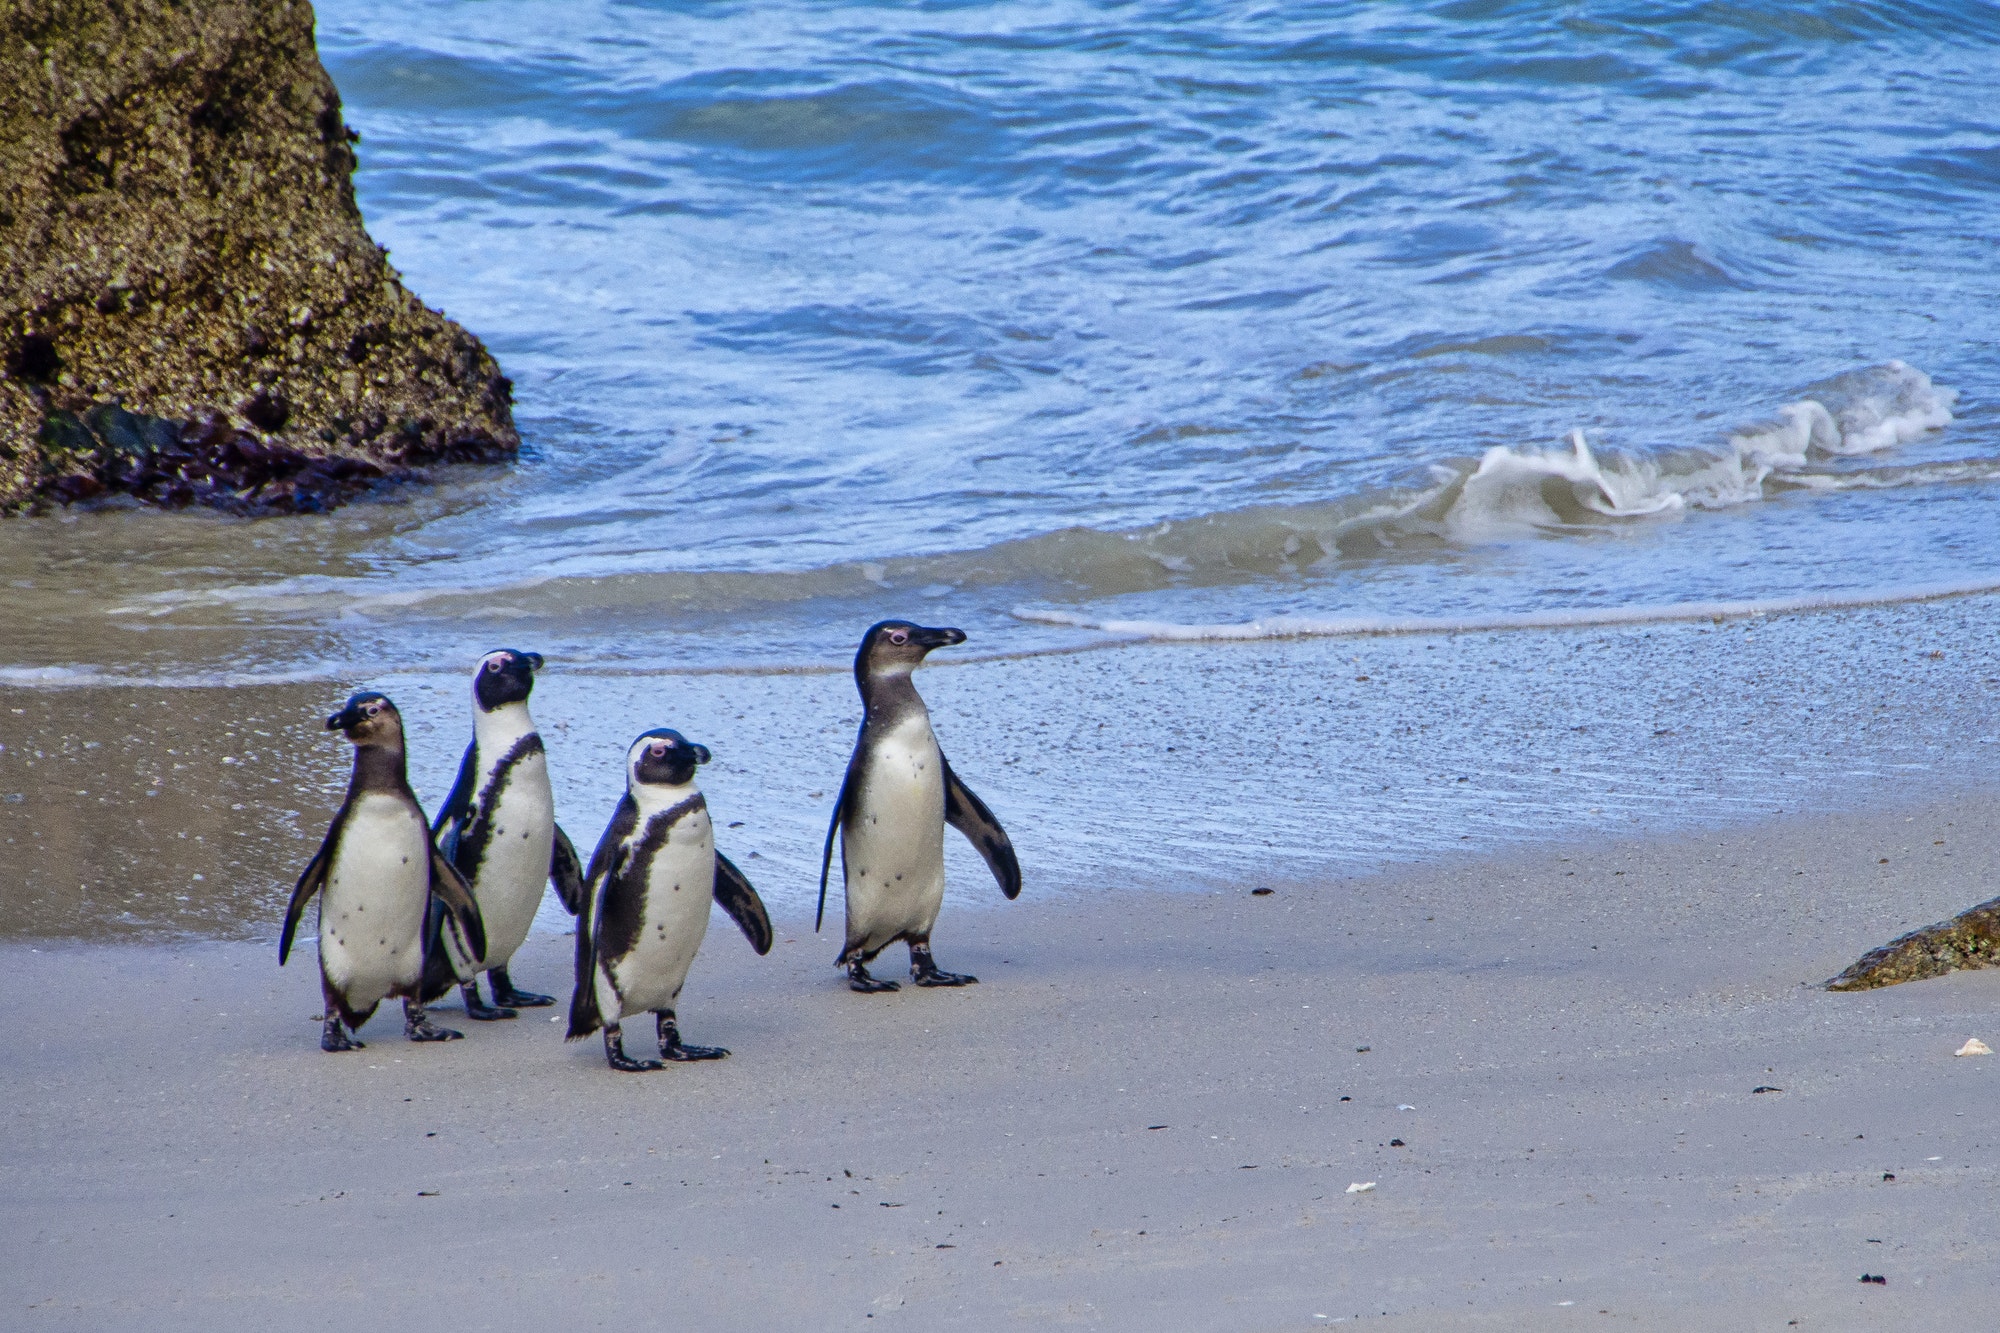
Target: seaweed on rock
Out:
[191,312]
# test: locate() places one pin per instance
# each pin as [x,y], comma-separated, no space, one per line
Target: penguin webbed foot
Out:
[673,1048]
[418,1027]
[333,1037]
[478,1010]
[614,1053]
[924,970]
[505,995]
[859,980]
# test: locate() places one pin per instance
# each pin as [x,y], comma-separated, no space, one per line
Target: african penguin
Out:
[376,875]
[498,829]
[651,881]
[898,795]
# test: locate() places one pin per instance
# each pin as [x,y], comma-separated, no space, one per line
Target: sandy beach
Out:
[1475,535]
[1148,1115]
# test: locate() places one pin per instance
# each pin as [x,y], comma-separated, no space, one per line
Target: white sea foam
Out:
[1862,412]
[1300,627]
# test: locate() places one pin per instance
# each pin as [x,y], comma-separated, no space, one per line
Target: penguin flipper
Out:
[439,973]
[832,828]
[583,1016]
[968,814]
[605,863]
[449,887]
[566,873]
[451,816]
[745,908]
[311,881]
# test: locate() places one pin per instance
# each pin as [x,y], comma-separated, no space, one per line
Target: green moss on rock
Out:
[179,245]
[1969,940]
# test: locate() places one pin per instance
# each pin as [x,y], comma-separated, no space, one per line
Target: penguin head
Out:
[894,647]
[369,719]
[663,757]
[504,676]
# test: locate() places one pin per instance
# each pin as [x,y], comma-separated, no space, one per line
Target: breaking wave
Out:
[1820,442]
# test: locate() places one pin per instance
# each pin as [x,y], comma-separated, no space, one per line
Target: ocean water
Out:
[1474,323]
[1177,319]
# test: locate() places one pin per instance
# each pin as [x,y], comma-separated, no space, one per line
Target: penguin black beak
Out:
[939,638]
[345,718]
[701,754]
[534,661]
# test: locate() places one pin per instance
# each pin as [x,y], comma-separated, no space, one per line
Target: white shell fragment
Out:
[1361,1187]
[1974,1046]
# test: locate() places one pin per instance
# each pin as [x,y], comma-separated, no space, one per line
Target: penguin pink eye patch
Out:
[898,636]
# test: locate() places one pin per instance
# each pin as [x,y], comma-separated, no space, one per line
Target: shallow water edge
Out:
[136,812]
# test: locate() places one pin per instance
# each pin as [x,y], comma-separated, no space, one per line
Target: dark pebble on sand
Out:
[1765,1087]
[1262,893]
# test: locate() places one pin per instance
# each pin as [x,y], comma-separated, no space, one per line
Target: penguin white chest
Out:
[672,919]
[371,920]
[892,843]
[508,884]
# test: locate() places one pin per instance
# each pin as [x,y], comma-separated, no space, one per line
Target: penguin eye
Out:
[373,709]
[493,664]
[899,636]
[660,749]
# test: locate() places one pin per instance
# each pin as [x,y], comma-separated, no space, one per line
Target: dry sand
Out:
[1140,1120]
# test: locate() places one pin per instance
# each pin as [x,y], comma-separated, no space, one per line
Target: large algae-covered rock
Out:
[1969,940]
[190,308]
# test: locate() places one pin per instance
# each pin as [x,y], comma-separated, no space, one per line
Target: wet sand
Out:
[1134,1122]
[142,814]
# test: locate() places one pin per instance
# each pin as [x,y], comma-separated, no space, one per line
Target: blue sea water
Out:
[1041,317]
[1174,312]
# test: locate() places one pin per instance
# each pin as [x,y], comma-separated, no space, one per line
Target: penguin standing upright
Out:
[898,795]
[652,878]
[377,873]
[498,829]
